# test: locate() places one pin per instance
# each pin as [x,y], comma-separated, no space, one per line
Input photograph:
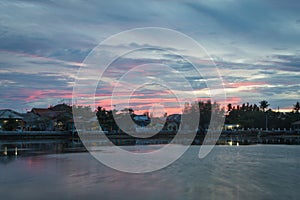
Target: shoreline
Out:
[121,139]
[33,143]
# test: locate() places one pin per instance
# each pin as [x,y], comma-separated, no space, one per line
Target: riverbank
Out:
[226,138]
[34,143]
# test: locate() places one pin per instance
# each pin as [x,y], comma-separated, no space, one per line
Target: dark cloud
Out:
[38,81]
[289,63]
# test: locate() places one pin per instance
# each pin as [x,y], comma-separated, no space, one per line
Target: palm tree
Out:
[297,107]
[263,105]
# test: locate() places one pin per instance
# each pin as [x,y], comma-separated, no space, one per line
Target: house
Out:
[141,123]
[173,122]
[33,122]
[62,107]
[47,118]
[11,120]
[141,120]
[58,117]
[44,112]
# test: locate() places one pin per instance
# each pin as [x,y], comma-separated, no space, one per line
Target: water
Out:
[228,172]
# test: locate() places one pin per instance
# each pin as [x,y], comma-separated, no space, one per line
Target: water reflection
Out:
[13,148]
[244,172]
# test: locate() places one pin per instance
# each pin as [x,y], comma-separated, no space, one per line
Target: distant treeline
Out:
[247,115]
[253,116]
[60,117]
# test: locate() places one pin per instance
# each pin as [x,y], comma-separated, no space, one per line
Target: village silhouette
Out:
[243,124]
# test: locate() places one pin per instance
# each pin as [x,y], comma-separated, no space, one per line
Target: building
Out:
[173,122]
[229,127]
[141,120]
[11,120]
[33,122]
[56,118]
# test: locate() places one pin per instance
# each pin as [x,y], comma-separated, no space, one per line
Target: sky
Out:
[255,45]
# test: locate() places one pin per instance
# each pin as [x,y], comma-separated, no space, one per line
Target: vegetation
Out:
[297,107]
[264,105]
[205,110]
[245,115]
[250,116]
[106,119]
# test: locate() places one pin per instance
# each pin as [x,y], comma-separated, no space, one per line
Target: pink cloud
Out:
[244,84]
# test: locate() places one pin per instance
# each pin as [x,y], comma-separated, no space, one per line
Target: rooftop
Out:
[9,114]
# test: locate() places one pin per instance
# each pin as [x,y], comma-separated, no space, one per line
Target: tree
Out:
[297,107]
[105,118]
[255,107]
[83,111]
[229,107]
[264,105]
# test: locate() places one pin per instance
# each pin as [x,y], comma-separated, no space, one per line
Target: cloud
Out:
[288,62]
[255,45]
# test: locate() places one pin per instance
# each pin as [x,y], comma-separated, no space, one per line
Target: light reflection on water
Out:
[13,148]
[244,172]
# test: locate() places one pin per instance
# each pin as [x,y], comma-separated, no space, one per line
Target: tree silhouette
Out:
[229,107]
[264,105]
[106,119]
[255,107]
[297,107]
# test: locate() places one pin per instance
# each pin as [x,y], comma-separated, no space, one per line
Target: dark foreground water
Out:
[228,172]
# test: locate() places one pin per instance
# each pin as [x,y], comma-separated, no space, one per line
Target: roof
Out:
[61,107]
[44,112]
[31,117]
[9,114]
[141,118]
[174,118]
